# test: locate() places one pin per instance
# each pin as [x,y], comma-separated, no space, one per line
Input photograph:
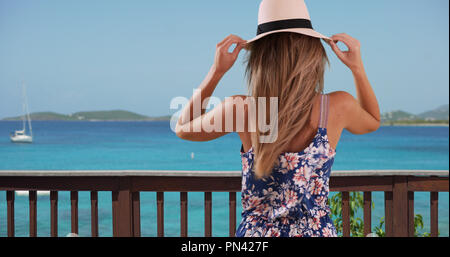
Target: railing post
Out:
[94,214]
[136,211]
[232,214]
[123,209]
[400,206]
[32,196]
[434,213]
[160,213]
[346,214]
[74,211]
[54,213]
[367,213]
[411,214]
[208,214]
[10,212]
[388,211]
[184,214]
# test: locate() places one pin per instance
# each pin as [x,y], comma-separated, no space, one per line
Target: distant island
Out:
[114,115]
[438,116]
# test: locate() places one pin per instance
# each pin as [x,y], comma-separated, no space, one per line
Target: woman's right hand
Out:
[224,60]
[352,58]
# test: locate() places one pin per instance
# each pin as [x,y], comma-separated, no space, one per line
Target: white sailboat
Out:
[20,136]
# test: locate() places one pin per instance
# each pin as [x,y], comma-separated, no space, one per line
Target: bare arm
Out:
[204,91]
[365,94]
[361,115]
[192,121]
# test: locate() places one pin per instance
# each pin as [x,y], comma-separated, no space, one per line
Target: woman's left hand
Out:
[224,60]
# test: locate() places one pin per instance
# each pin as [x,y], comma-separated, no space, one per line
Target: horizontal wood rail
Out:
[125,185]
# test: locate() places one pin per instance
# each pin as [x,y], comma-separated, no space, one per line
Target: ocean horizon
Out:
[151,145]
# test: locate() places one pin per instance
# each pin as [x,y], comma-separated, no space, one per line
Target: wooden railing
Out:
[398,187]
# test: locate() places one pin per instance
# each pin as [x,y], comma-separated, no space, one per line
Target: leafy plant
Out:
[356,204]
[378,230]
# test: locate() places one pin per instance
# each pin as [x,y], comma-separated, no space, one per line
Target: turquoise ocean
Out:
[153,146]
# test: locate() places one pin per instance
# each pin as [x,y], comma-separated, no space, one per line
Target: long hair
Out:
[289,66]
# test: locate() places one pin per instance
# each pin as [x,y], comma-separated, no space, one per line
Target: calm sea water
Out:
[153,146]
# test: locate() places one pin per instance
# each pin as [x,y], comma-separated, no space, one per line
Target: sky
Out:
[138,55]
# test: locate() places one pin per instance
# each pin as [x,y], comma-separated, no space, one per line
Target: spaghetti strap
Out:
[323,119]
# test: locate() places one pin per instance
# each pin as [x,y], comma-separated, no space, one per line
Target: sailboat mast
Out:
[23,110]
[27,111]
[23,117]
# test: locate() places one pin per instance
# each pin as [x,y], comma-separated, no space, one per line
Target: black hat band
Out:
[284,24]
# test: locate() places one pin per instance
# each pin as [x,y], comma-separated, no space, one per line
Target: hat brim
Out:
[308,32]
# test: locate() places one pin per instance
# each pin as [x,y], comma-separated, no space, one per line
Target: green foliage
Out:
[356,203]
[418,224]
[378,230]
[415,122]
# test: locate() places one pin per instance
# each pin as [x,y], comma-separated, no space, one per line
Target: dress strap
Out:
[323,120]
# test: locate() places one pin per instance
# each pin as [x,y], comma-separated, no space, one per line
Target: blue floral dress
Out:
[292,201]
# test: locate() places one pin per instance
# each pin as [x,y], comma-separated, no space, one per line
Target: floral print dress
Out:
[292,201]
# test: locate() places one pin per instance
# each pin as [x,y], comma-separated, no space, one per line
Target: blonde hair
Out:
[289,66]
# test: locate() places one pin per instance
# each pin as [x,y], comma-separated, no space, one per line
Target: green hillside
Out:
[398,116]
[115,115]
[43,116]
[436,116]
[440,113]
[108,115]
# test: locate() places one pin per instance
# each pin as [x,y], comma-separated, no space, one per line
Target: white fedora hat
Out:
[284,16]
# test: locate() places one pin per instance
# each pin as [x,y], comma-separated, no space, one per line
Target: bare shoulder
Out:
[341,96]
[341,100]
[349,114]
[342,106]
